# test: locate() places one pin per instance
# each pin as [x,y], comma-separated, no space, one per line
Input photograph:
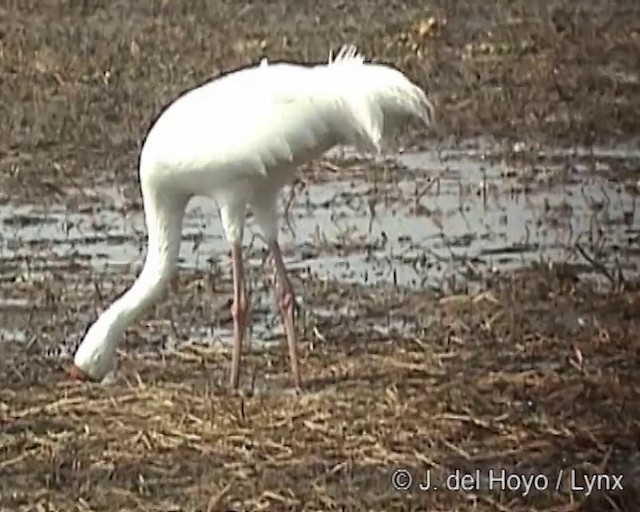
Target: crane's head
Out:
[95,356]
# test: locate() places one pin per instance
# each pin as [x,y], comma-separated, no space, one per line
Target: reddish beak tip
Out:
[75,374]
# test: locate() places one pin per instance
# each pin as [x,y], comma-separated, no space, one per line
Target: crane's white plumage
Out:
[238,139]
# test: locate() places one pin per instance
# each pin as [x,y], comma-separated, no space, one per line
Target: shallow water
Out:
[450,216]
[445,221]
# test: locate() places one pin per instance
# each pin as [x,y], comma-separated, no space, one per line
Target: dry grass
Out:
[538,375]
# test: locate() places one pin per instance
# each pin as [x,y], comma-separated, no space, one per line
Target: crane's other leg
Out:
[264,205]
[232,216]
[286,302]
[238,311]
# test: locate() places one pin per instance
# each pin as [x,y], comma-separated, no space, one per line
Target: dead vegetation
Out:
[535,376]
[86,79]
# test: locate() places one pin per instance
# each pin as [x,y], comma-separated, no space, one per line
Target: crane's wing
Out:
[245,123]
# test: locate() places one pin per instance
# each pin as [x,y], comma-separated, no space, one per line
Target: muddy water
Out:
[449,215]
[445,221]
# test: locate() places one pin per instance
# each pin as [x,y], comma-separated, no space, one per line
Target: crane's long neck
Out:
[164,224]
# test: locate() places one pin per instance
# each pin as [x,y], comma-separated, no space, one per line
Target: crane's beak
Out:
[75,374]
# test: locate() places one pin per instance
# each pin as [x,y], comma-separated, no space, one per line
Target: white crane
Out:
[238,140]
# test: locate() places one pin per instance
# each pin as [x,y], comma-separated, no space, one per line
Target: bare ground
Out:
[536,375]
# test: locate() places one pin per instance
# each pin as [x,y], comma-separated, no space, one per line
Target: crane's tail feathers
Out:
[376,99]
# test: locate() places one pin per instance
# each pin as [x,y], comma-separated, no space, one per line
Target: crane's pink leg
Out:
[238,311]
[286,302]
